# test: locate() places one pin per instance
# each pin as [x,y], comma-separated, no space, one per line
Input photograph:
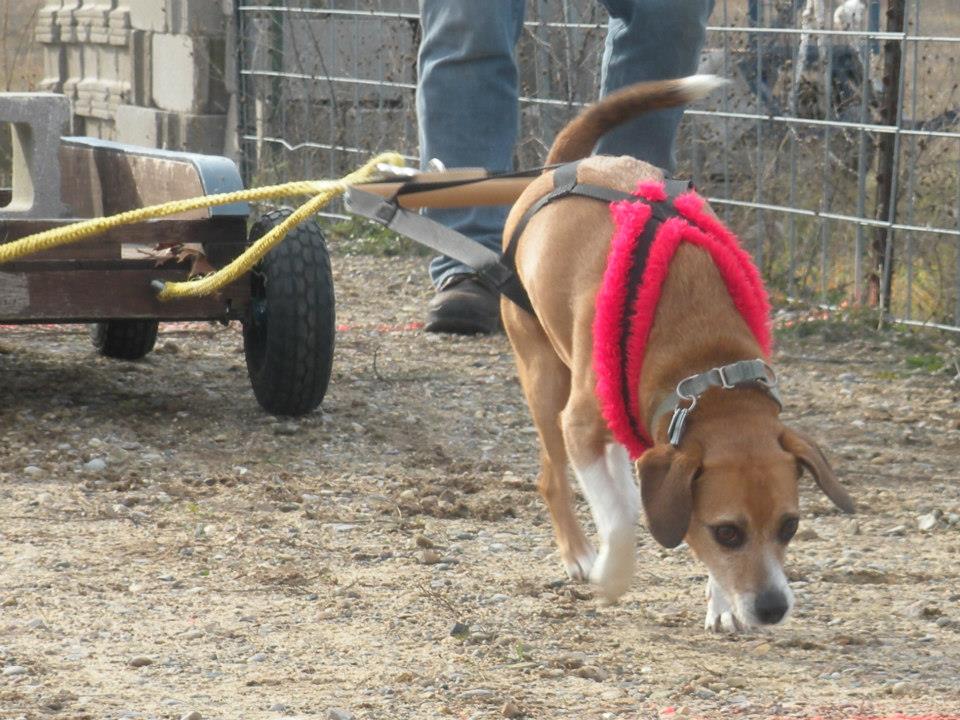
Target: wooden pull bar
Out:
[494,191]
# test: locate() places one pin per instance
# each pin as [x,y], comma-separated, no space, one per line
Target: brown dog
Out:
[729,487]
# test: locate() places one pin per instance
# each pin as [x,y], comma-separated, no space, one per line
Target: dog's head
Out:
[734,499]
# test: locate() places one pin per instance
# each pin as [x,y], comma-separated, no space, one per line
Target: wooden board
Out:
[223,238]
[108,277]
[96,182]
[71,295]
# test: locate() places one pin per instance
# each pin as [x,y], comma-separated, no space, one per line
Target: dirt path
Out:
[165,548]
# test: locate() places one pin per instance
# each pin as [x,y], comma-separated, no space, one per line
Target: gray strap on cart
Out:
[486,262]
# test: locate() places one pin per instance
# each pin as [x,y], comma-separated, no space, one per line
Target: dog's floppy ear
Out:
[666,486]
[811,458]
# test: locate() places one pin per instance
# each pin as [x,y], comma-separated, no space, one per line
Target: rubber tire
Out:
[289,329]
[124,339]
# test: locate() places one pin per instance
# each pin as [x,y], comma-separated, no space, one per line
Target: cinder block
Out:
[98,128]
[54,68]
[118,24]
[196,17]
[149,15]
[187,74]
[39,120]
[168,130]
[140,55]
[47,30]
[231,57]
[141,126]
[231,139]
[199,133]
[67,22]
[91,20]
[74,73]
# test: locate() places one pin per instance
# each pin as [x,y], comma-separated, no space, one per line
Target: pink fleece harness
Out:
[628,296]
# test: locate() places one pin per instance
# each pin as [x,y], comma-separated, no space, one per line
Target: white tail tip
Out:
[699,86]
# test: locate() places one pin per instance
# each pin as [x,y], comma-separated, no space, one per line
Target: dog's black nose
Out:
[770,606]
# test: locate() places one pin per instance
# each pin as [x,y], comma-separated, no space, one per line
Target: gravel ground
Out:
[167,550]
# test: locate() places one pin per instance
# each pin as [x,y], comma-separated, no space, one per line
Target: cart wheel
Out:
[288,333]
[124,339]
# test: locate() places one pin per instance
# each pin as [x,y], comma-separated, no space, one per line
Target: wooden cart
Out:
[286,305]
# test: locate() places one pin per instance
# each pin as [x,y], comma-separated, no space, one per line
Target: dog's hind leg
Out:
[546,384]
[605,474]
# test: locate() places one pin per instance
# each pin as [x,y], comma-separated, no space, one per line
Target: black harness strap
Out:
[661,212]
[565,185]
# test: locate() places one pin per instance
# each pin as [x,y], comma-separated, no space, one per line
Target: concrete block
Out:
[181,17]
[149,15]
[74,73]
[98,128]
[39,120]
[54,68]
[149,127]
[113,63]
[231,138]
[47,30]
[67,22]
[91,20]
[118,24]
[100,98]
[231,57]
[140,55]
[188,73]
[196,17]
[199,133]
[141,126]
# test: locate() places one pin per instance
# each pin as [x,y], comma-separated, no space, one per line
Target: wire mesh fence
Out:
[834,152]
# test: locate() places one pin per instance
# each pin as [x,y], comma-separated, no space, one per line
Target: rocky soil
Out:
[168,551]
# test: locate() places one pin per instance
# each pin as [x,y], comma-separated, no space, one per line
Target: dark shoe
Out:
[464,305]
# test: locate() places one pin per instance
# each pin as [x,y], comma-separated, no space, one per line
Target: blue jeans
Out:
[467,107]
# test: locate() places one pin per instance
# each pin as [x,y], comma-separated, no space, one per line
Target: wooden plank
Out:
[223,238]
[494,191]
[91,295]
[105,181]
[80,187]
[134,181]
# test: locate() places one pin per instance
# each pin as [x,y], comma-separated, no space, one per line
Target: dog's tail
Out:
[578,138]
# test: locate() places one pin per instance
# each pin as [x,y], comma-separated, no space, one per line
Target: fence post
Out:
[881,277]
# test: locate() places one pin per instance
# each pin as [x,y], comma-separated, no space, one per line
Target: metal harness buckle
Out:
[715,377]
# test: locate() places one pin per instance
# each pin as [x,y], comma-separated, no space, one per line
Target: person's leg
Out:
[650,40]
[467,104]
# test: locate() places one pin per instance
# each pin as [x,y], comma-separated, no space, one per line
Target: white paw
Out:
[580,566]
[613,570]
[720,613]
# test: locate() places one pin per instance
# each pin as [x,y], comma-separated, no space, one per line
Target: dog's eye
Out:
[788,529]
[730,536]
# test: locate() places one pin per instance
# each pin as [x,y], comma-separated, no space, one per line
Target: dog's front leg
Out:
[608,485]
[720,613]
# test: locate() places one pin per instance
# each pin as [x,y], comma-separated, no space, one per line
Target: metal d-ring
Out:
[771,380]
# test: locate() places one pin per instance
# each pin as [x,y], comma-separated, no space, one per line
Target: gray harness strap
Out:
[498,270]
[489,264]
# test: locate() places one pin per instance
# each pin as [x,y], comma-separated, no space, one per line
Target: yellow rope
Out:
[323,191]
